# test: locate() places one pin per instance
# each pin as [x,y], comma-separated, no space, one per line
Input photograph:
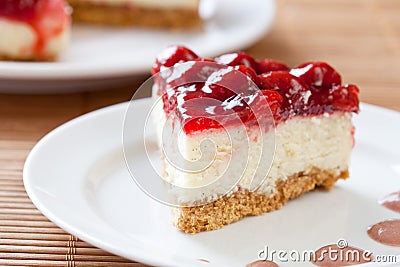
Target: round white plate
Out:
[109,52]
[77,177]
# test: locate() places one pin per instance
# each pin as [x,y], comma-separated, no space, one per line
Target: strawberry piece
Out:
[268,65]
[235,59]
[318,75]
[172,55]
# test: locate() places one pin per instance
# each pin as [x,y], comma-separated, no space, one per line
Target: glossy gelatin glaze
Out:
[48,18]
[310,89]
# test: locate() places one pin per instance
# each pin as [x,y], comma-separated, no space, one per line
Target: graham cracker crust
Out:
[237,205]
[46,58]
[125,15]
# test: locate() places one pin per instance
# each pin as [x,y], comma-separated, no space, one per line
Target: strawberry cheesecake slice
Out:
[241,137]
[35,30]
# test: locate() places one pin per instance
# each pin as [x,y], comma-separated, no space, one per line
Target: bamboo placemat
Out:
[359,37]
[27,238]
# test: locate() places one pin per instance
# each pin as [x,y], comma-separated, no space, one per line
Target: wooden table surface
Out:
[360,38]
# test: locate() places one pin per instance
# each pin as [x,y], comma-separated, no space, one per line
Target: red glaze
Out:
[247,71]
[318,75]
[239,58]
[281,81]
[333,256]
[275,101]
[214,103]
[23,10]
[47,17]
[267,65]
[172,55]
[344,97]
[308,90]
[293,91]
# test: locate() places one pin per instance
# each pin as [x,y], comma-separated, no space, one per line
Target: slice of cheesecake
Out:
[241,137]
[33,30]
[146,13]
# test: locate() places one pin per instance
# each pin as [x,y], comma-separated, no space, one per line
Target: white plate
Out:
[101,52]
[76,176]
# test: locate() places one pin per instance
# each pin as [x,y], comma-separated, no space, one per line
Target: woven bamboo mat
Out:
[27,238]
[359,37]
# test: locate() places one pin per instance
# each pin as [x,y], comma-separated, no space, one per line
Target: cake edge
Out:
[234,207]
[42,58]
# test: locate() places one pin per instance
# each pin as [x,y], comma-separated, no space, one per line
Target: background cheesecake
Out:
[147,13]
[33,30]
